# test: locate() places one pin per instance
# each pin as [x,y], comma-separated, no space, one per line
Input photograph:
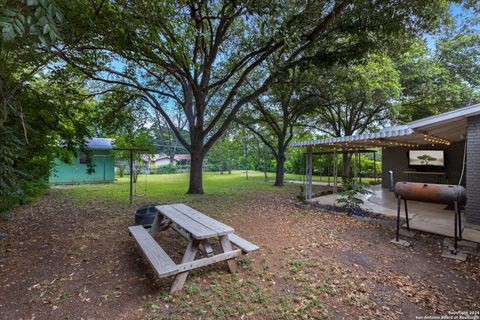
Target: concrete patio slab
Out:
[433,224]
[400,242]
[447,242]
[408,233]
[331,199]
[426,217]
[447,253]
[471,234]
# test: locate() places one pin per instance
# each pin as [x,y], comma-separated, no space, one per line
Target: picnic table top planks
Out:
[199,225]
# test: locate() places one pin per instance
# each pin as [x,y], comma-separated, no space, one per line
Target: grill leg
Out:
[399,204]
[455,250]
[459,222]
[406,214]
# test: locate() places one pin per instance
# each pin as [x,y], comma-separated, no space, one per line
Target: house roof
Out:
[457,114]
[186,156]
[445,127]
[154,157]
[99,144]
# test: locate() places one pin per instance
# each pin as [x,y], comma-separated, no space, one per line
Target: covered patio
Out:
[426,217]
[455,135]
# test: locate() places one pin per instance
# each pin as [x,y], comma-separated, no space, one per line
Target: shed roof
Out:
[100,143]
[441,128]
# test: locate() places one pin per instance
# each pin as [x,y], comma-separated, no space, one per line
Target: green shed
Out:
[76,171]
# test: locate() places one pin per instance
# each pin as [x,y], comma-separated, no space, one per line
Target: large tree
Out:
[200,54]
[272,117]
[27,30]
[41,115]
[442,80]
[354,99]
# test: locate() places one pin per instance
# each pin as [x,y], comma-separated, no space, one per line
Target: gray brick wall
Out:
[473,170]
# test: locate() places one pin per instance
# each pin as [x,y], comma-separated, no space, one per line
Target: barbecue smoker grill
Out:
[435,193]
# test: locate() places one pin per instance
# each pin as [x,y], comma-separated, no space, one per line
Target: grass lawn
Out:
[69,256]
[171,187]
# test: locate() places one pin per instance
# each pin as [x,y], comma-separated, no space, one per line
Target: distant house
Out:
[76,172]
[183,159]
[159,159]
[162,159]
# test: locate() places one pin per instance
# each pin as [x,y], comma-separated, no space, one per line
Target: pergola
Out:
[309,166]
[457,132]
[397,136]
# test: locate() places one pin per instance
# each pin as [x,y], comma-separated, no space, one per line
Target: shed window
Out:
[83,158]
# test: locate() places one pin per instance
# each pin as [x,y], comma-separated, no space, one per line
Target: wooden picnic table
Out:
[199,229]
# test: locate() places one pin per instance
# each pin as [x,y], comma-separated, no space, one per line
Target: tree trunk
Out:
[347,157]
[280,170]
[196,178]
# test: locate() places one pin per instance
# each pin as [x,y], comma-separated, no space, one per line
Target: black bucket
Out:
[145,215]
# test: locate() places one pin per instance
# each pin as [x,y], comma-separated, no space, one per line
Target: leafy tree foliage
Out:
[225,155]
[439,82]
[354,99]
[122,116]
[41,115]
[38,18]
[165,139]
[201,54]
[56,124]
[274,116]
[138,139]
[25,26]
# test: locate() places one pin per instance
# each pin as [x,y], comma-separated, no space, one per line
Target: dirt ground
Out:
[69,260]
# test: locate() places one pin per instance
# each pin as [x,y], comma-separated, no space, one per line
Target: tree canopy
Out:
[200,54]
[177,74]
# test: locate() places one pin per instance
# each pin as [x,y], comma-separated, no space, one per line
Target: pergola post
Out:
[131,175]
[335,170]
[359,167]
[308,174]
[305,187]
[328,170]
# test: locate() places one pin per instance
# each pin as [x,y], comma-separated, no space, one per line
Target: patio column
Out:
[308,174]
[335,170]
[472,209]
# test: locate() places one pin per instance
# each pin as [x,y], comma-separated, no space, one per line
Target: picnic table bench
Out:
[198,229]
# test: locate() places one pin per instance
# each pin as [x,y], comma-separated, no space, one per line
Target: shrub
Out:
[349,197]
[168,169]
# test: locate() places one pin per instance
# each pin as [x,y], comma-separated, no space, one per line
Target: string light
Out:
[435,139]
[371,144]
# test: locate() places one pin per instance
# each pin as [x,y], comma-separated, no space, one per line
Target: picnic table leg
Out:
[227,247]
[189,255]
[156,224]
